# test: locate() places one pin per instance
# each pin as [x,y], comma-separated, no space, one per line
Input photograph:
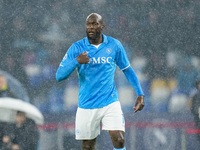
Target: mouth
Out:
[91,33]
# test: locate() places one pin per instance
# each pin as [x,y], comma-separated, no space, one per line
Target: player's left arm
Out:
[124,64]
[133,80]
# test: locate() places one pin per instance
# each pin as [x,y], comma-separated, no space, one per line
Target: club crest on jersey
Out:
[108,50]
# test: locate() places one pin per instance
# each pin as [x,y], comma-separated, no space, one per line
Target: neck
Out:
[19,125]
[96,41]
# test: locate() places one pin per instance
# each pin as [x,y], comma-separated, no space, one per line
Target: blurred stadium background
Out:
[161,38]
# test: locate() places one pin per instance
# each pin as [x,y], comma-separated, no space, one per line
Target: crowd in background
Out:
[20,135]
[161,38]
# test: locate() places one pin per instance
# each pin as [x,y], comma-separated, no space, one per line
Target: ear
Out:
[102,27]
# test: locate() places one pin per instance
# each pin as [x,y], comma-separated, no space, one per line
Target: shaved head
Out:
[95,15]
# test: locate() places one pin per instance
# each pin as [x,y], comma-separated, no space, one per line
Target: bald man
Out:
[95,58]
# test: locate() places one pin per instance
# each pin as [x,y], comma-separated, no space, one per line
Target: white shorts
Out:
[88,121]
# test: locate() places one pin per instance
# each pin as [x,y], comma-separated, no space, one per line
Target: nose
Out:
[90,26]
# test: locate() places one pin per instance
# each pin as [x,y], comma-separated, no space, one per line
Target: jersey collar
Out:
[105,40]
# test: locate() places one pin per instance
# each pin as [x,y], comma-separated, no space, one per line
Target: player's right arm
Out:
[70,62]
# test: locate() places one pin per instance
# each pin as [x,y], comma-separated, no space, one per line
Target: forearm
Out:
[133,80]
[65,69]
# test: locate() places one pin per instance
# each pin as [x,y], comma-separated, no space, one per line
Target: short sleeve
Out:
[121,57]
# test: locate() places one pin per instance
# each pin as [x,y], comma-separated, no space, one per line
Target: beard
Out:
[94,36]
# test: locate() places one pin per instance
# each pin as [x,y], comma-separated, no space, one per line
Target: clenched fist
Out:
[83,58]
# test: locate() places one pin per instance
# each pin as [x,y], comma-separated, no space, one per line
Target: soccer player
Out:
[95,58]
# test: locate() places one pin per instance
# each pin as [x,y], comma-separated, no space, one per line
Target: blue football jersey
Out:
[96,79]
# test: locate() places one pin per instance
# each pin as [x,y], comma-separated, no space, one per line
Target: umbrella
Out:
[10,106]
[15,86]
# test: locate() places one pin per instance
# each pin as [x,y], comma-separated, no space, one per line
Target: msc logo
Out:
[100,60]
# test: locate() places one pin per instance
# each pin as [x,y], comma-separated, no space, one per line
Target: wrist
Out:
[140,95]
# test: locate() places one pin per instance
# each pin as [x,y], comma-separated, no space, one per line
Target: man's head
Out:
[3,83]
[20,118]
[94,26]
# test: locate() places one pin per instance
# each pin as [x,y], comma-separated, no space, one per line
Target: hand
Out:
[15,147]
[139,104]
[83,58]
[6,139]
